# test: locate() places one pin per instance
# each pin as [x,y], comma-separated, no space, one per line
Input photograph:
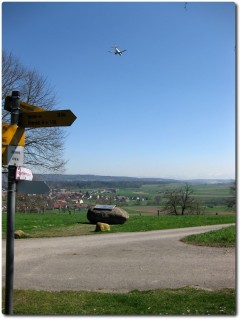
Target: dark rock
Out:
[114,215]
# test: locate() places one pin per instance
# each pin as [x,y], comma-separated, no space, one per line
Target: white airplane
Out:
[117,51]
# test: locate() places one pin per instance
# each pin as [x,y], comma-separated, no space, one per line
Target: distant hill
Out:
[209,181]
[92,180]
[91,177]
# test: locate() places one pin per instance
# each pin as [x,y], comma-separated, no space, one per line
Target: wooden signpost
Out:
[23,115]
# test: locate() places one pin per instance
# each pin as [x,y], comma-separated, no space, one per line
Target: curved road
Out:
[121,262]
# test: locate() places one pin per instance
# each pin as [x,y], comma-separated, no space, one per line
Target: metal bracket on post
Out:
[11,200]
[15,107]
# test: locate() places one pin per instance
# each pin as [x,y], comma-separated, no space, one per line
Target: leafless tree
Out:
[172,203]
[13,73]
[180,201]
[44,146]
[185,198]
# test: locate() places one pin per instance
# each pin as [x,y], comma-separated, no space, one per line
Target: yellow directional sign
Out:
[57,118]
[12,135]
[24,107]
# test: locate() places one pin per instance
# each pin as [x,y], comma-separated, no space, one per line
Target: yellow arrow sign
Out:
[25,107]
[56,118]
[12,135]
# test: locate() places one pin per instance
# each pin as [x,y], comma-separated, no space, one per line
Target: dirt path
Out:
[122,262]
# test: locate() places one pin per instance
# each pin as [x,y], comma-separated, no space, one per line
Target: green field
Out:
[63,224]
[199,190]
[209,195]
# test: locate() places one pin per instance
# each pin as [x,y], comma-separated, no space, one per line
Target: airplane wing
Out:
[123,51]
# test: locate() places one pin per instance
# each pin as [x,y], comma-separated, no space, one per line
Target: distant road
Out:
[122,262]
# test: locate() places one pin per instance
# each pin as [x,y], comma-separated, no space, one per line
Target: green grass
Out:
[60,224]
[225,237]
[184,301]
[50,224]
[149,223]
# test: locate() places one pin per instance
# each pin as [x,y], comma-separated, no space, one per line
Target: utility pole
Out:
[11,201]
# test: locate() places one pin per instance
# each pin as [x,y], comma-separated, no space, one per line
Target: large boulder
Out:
[107,214]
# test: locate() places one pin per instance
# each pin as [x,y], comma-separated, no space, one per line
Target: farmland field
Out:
[217,189]
[213,197]
[200,190]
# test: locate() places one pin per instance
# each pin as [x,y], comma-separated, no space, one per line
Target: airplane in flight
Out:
[117,51]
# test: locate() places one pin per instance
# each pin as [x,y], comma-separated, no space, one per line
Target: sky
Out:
[166,108]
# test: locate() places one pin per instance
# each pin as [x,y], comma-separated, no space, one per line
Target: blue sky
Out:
[165,108]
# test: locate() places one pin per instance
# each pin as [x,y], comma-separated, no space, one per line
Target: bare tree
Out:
[172,203]
[12,73]
[180,201]
[186,200]
[44,146]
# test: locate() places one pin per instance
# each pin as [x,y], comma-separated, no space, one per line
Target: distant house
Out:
[59,204]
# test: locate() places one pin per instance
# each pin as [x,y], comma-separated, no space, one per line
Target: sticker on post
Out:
[23,173]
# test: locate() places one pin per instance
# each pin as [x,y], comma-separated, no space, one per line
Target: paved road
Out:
[121,262]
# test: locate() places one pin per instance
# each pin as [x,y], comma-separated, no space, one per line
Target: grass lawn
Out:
[184,301]
[225,237]
[63,224]
[149,223]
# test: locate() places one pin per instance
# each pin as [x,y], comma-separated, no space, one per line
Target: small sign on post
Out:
[12,155]
[23,173]
[32,187]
